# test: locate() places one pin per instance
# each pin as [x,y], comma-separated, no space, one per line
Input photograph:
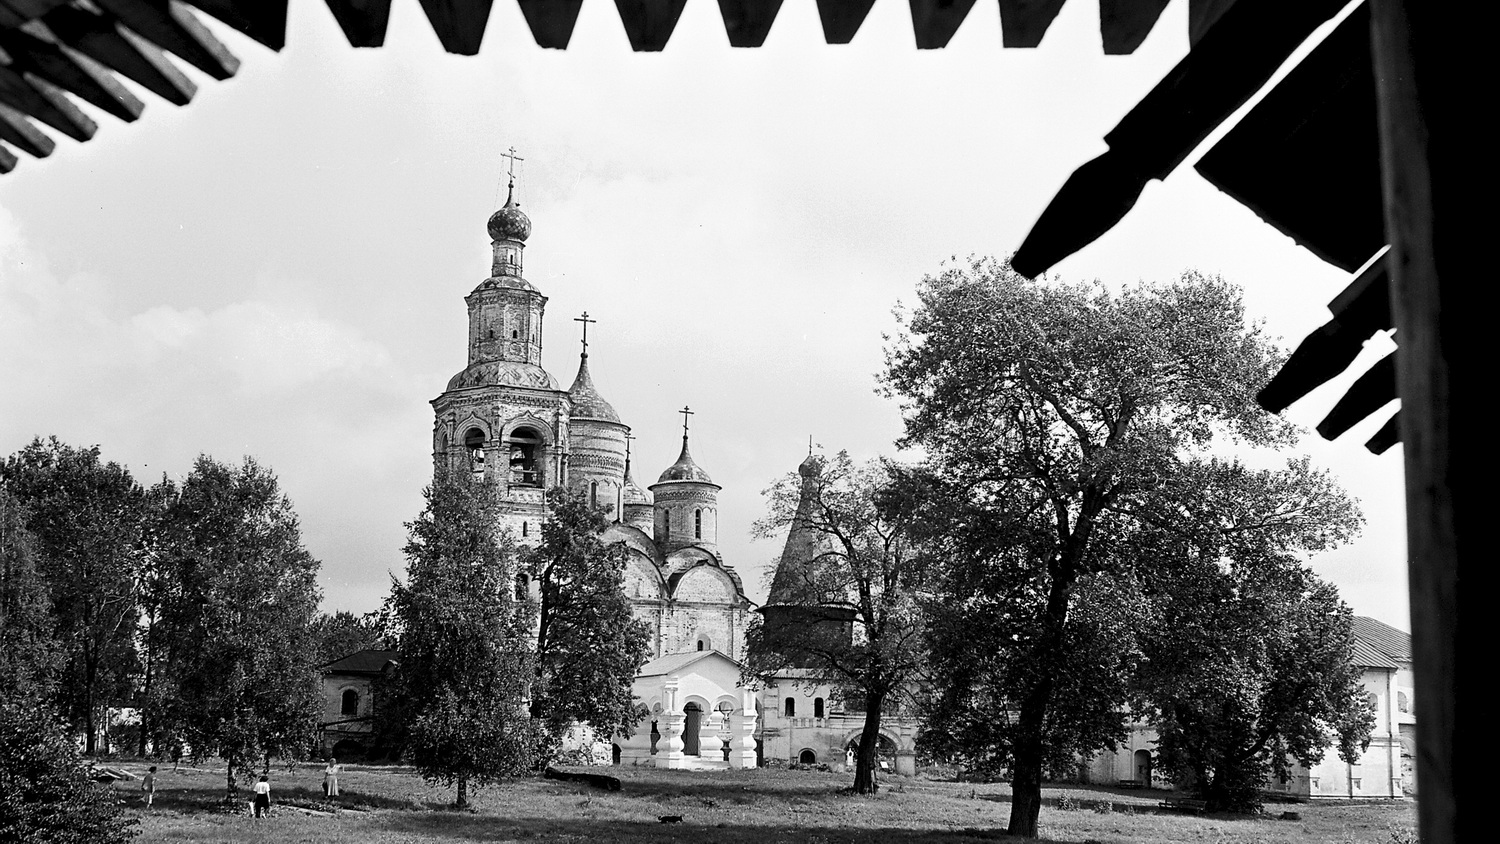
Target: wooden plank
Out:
[40,99]
[1202,15]
[649,23]
[1124,24]
[173,27]
[1228,66]
[35,49]
[8,160]
[1388,435]
[936,21]
[551,21]
[1306,158]
[1370,392]
[1362,309]
[104,40]
[1024,22]
[842,18]
[16,130]
[263,20]
[1432,168]
[747,22]
[364,21]
[459,24]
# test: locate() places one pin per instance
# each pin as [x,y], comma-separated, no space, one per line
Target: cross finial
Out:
[585,320]
[809,445]
[511,170]
[685,414]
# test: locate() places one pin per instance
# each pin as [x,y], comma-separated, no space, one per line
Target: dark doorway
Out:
[808,758]
[1143,768]
[614,754]
[690,729]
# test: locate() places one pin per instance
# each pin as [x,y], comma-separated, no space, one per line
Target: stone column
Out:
[742,740]
[670,724]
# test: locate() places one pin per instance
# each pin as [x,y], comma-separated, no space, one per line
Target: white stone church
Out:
[505,417]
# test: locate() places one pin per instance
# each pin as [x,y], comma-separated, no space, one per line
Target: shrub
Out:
[46,796]
[1067,803]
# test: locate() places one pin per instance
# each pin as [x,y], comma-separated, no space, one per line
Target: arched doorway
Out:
[807,757]
[1143,768]
[694,715]
[614,754]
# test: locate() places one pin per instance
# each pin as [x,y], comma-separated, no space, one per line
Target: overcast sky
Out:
[278,269]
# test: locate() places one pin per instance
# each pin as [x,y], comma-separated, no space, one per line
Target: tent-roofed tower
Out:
[807,602]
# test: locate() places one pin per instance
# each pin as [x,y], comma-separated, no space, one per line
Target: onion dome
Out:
[810,467]
[684,469]
[510,222]
[587,403]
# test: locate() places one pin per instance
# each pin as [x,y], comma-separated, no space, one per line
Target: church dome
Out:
[587,403]
[632,493]
[510,222]
[503,373]
[809,467]
[684,469]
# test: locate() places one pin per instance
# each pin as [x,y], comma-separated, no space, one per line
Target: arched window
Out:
[700,644]
[817,707]
[697,524]
[593,493]
[1403,703]
[474,445]
[349,705]
[525,528]
[791,707]
[525,453]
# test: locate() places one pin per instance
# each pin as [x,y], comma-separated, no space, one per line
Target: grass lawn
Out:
[386,805]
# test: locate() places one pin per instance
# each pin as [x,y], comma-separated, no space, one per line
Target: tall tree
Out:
[237,677]
[1248,655]
[462,639]
[588,644]
[28,652]
[850,612]
[88,518]
[1046,410]
[341,633]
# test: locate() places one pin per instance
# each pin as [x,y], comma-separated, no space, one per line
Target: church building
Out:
[505,418]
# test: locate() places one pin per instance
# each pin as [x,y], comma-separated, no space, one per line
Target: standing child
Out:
[331,778]
[262,798]
[148,786]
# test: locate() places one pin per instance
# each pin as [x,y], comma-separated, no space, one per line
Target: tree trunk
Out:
[1026,758]
[461,799]
[232,790]
[869,743]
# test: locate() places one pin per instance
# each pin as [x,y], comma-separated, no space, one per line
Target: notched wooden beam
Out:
[173,27]
[1369,393]
[106,41]
[19,132]
[1024,22]
[842,18]
[39,98]
[459,24]
[364,22]
[747,22]
[935,21]
[1124,24]
[263,20]
[35,49]
[649,23]
[551,21]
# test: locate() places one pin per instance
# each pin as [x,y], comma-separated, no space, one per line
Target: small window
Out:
[350,703]
[817,707]
[515,335]
[697,524]
[525,528]
[593,493]
[791,707]
[1403,703]
[700,644]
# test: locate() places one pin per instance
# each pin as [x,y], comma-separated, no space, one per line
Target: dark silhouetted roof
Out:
[361,662]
